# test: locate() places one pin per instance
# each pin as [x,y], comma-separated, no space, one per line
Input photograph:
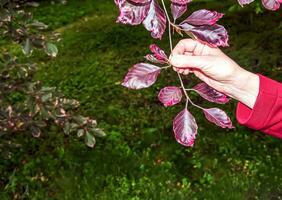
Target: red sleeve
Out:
[266,116]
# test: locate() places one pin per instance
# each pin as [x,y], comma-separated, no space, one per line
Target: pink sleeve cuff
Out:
[258,118]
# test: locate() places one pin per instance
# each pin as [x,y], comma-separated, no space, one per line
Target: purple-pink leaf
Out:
[215,35]
[158,52]
[268,4]
[178,8]
[218,117]
[158,56]
[155,22]
[244,2]
[133,14]
[141,75]
[181,2]
[203,17]
[210,94]
[271,4]
[153,59]
[170,96]
[138,2]
[185,128]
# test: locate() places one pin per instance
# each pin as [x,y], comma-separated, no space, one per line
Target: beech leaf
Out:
[213,35]
[36,132]
[141,75]
[218,117]
[244,2]
[185,128]
[142,2]
[210,94]
[158,56]
[181,2]
[170,96]
[155,22]
[98,132]
[203,17]
[51,49]
[89,140]
[271,4]
[132,14]
[158,52]
[27,47]
[177,9]
[153,59]
[268,4]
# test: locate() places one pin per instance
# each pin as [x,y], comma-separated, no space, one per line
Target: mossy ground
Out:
[139,158]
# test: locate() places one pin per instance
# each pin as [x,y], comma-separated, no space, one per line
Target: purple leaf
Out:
[271,4]
[153,59]
[181,2]
[215,35]
[141,75]
[218,117]
[185,128]
[268,4]
[158,52]
[210,94]
[170,96]
[244,2]
[140,1]
[178,8]
[203,17]
[133,14]
[155,22]
[158,56]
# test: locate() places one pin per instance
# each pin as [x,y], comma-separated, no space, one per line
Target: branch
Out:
[171,47]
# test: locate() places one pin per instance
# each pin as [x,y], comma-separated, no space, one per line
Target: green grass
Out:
[139,158]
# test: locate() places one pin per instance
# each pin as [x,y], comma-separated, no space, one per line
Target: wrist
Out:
[245,88]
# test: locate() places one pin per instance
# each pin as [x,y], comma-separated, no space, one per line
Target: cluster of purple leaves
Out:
[200,25]
[143,75]
[268,4]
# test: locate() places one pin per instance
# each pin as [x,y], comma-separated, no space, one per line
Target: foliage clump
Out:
[27,106]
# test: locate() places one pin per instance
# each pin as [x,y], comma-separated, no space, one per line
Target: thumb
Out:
[188,61]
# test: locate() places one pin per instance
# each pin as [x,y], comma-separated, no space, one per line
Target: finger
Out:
[214,84]
[186,45]
[186,72]
[198,51]
[188,54]
[180,71]
[184,61]
[185,53]
[201,76]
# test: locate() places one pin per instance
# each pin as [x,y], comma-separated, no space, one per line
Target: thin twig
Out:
[171,47]
[191,89]
[169,24]
[166,67]
[195,104]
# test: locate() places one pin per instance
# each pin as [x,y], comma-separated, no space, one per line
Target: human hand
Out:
[215,68]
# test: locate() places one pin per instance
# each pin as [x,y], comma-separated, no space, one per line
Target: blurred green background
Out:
[139,158]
